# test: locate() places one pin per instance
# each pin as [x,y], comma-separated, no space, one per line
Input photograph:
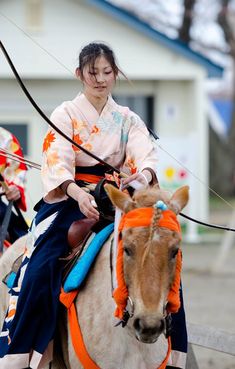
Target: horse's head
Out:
[149,255]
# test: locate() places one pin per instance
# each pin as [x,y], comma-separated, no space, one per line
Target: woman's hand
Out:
[142,177]
[87,205]
[12,193]
[85,201]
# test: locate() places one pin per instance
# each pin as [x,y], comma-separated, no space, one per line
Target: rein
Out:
[109,166]
[225,228]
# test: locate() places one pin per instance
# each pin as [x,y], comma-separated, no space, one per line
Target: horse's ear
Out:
[120,199]
[179,199]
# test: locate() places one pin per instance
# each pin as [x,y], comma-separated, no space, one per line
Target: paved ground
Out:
[210,296]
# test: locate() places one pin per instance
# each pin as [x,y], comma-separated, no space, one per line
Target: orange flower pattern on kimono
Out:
[13,171]
[117,136]
[77,139]
[95,129]
[50,137]
[52,159]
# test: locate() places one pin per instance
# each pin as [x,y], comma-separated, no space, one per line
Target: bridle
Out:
[109,166]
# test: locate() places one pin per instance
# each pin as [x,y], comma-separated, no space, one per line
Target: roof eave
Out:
[213,70]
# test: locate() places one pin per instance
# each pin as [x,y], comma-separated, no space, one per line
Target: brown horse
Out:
[149,262]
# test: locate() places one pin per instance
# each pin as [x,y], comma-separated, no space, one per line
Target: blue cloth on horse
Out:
[82,266]
[11,279]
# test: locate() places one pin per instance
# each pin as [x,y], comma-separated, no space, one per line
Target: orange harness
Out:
[142,217]
[136,218]
[68,298]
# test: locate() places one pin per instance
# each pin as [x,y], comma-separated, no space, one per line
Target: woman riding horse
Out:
[115,134]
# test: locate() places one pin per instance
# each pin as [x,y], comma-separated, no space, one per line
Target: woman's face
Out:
[98,81]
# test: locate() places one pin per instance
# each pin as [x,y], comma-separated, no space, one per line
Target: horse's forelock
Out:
[149,196]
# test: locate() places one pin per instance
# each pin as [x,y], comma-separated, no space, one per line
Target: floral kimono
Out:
[117,136]
[13,172]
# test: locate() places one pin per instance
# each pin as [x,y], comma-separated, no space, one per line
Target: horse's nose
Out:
[149,329]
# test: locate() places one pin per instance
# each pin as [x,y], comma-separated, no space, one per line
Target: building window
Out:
[33,13]
[141,105]
[21,133]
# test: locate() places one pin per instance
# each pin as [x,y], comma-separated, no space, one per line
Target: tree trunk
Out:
[184,31]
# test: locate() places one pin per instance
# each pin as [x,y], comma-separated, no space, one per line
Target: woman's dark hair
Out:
[92,51]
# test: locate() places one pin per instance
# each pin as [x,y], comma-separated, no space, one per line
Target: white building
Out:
[166,89]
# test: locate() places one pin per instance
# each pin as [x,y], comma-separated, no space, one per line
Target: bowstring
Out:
[137,127]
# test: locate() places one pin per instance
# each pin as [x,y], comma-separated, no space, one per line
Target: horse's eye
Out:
[173,253]
[127,251]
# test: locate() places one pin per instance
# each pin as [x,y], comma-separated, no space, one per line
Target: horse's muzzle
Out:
[148,332]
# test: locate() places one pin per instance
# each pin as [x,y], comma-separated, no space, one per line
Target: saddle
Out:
[78,231]
[78,235]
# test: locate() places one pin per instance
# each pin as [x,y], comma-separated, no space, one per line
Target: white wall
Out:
[180,113]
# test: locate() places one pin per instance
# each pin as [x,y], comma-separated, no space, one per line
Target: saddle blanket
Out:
[79,271]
